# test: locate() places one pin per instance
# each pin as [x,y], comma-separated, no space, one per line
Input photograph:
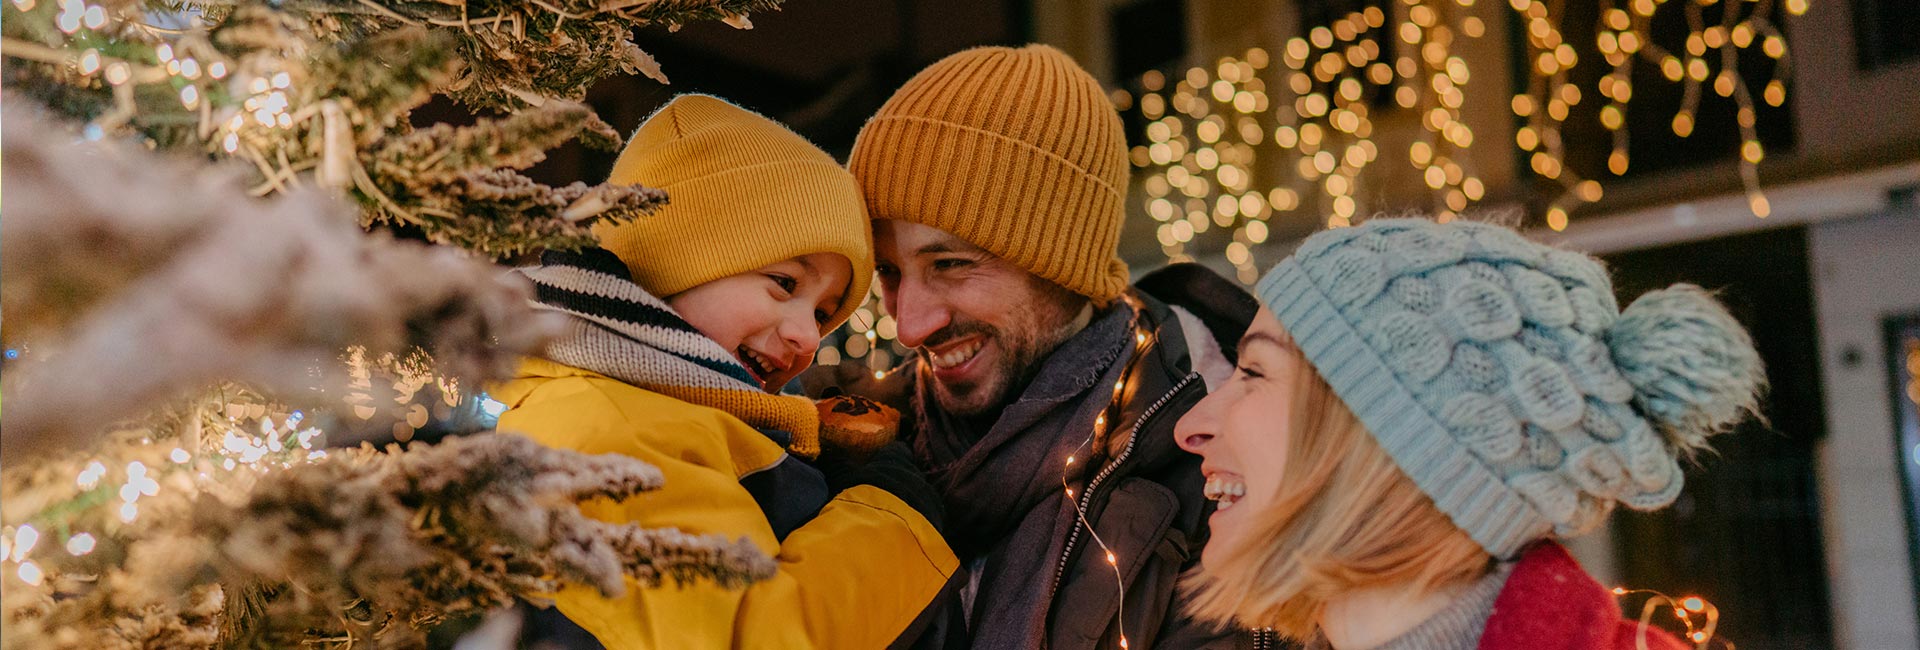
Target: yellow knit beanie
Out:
[742,192]
[1016,151]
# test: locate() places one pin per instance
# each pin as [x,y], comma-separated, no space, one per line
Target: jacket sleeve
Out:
[853,577]
[857,575]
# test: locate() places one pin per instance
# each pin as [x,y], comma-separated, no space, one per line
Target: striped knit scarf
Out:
[617,329]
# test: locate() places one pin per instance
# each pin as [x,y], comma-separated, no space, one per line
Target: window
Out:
[1148,35]
[1885,32]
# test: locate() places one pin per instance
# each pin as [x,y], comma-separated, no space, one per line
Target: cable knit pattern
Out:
[1502,377]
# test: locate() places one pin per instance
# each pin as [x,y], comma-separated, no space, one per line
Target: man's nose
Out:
[919,311]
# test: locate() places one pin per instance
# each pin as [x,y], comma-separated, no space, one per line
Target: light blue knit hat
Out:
[1503,378]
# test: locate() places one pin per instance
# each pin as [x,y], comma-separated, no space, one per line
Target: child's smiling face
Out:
[771,318]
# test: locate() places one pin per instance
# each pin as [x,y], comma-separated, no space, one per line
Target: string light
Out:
[868,337]
[280,438]
[1336,74]
[1697,618]
[1202,136]
[24,539]
[91,475]
[118,72]
[30,573]
[1625,36]
[1141,339]
[80,544]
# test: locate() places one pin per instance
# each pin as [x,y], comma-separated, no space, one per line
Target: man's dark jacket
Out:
[1008,514]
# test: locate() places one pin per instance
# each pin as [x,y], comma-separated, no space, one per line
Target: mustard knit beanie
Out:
[742,192]
[1017,151]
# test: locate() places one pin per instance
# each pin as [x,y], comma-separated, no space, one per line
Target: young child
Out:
[1419,409]
[681,332]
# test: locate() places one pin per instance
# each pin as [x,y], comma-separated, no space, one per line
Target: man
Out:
[996,180]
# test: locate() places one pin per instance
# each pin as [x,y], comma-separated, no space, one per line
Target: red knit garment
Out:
[1550,603]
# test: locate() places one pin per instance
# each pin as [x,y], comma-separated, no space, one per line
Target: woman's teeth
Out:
[956,356]
[1225,490]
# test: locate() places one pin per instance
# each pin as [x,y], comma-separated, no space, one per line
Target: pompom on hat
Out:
[1502,377]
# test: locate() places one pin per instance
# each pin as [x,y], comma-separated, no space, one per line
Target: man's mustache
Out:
[956,331]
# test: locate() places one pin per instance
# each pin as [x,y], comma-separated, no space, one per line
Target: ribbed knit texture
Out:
[1458,626]
[1502,377]
[617,329]
[742,192]
[1017,151]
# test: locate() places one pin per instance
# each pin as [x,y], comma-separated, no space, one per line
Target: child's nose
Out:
[802,334]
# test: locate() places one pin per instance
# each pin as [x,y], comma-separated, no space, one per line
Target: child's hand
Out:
[890,468]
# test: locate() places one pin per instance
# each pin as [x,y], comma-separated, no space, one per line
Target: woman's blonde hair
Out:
[1345,517]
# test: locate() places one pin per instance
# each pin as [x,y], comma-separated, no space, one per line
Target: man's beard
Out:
[1020,356]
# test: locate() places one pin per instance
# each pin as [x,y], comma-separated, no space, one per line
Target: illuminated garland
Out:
[310,93]
[226,468]
[1623,35]
[1140,339]
[155,533]
[871,337]
[1684,610]
[1206,131]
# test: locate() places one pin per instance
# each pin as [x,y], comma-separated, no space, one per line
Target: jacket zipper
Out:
[1263,638]
[1086,497]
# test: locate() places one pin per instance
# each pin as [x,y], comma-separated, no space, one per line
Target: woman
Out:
[1419,409]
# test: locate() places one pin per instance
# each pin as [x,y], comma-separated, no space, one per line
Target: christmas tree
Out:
[227,250]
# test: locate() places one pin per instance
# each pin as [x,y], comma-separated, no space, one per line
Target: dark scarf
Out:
[1003,490]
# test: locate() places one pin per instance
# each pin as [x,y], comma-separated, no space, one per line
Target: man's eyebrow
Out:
[806,264]
[948,246]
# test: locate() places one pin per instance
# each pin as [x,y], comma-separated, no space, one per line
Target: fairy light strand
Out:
[228,100]
[1205,129]
[870,337]
[229,465]
[1202,130]
[1685,611]
[1102,426]
[249,437]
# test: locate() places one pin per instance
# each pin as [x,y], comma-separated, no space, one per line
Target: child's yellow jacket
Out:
[853,577]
